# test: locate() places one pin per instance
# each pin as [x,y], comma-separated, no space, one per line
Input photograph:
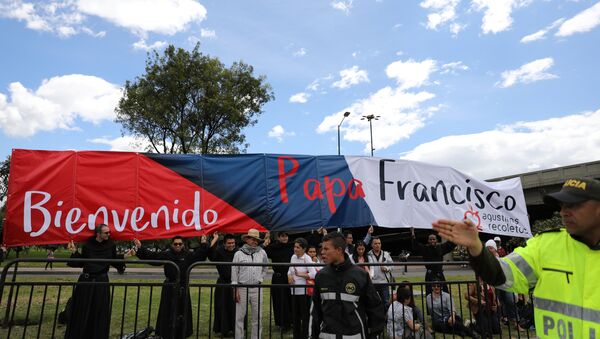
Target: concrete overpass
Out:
[537,184]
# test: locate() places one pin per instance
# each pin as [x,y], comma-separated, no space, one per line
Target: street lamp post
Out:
[371,117]
[346,114]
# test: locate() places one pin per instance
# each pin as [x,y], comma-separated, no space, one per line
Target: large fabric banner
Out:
[58,196]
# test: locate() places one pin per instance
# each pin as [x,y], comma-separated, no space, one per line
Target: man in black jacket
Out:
[89,316]
[224,304]
[183,259]
[280,251]
[345,302]
[432,252]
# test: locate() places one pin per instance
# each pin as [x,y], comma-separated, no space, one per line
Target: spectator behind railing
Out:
[360,257]
[443,315]
[298,275]
[484,307]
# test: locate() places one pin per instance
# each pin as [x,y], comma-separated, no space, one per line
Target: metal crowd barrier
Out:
[30,308]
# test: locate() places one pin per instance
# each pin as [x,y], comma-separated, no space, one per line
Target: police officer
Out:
[562,264]
[345,302]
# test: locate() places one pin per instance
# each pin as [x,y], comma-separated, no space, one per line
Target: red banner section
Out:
[55,197]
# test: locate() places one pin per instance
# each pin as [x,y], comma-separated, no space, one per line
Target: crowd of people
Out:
[349,295]
[293,289]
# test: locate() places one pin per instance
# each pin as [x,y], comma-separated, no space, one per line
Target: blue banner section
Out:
[280,192]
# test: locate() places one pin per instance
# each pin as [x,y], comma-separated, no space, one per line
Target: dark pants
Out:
[281,297]
[507,300]
[224,308]
[487,324]
[170,321]
[441,325]
[90,309]
[384,294]
[300,316]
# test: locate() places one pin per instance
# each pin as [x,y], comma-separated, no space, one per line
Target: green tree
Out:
[188,102]
[4,169]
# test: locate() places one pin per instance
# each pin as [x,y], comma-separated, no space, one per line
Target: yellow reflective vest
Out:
[565,275]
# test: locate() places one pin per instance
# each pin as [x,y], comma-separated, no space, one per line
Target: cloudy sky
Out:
[490,87]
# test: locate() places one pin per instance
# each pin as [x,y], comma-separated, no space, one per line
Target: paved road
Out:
[136,273]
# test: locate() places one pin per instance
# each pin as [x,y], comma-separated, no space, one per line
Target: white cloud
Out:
[517,148]
[141,44]
[541,34]
[402,112]
[344,6]
[57,103]
[528,73]
[455,28]
[497,13]
[125,143]
[278,132]
[60,18]
[300,98]
[207,33]
[351,76]
[441,12]
[67,18]
[411,73]
[140,16]
[300,53]
[584,21]
[453,67]
[313,86]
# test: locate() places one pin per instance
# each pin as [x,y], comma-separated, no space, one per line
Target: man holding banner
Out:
[90,306]
[178,254]
[561,265]
[432,252]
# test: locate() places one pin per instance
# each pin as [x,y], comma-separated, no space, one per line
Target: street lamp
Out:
[371,117]
[346,114]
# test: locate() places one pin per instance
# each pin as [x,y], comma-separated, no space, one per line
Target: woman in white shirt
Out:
[297,275]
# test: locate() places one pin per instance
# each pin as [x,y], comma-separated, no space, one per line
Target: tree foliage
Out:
[188,102]
[4,169]
[538,226]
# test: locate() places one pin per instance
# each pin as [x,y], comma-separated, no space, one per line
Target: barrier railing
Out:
[31,306]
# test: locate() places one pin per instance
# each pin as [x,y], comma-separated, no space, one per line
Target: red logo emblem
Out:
[473,215]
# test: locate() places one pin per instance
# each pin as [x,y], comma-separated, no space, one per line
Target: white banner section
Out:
[414,194]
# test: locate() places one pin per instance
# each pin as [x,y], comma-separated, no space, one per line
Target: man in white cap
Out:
[491,246]
[501,251]
[248,275]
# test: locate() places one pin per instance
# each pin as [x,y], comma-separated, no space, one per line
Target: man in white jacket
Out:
[248,275]
[381,274]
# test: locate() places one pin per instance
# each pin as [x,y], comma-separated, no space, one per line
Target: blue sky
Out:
[490,87]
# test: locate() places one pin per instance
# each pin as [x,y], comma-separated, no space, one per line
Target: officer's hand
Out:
[461,233]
